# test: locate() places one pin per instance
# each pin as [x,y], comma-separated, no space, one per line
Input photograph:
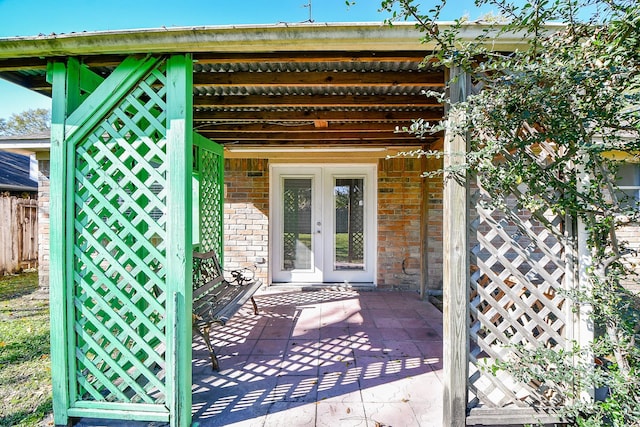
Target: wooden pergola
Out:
[137,116]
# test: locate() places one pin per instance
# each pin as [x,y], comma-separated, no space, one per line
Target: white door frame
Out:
[323,218]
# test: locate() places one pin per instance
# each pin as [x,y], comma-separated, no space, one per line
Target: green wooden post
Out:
[57,75]
[179,235]
[115,294]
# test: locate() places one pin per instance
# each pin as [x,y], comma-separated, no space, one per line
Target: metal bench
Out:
[215,298]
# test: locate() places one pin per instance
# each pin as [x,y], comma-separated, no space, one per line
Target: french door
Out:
[323,224]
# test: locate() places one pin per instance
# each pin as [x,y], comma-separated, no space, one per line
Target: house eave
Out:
[240,38]
[18,188]
[25,145]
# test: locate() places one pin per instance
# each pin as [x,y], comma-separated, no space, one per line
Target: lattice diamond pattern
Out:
[353,217]
[297,223]
[356,238]
[211,204]
[119,247]
[518,267]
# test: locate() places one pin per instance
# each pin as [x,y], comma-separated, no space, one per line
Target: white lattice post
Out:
[583,327]
[456,262]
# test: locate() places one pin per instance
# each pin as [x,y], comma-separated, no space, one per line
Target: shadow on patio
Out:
[324,357]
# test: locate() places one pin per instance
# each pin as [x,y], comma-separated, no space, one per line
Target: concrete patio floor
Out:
[326,357]
[322,357]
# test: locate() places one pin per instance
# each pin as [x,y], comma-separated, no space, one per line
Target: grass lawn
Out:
[25,372]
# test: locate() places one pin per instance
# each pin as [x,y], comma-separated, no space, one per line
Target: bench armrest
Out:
[242,275]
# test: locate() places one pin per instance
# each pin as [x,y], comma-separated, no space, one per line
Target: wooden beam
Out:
[309,136]
[324,78]
[373,114]
[324,126]
[323,143]
[335,101]
[304,57]
[339,155]
[455,263]
[20,64]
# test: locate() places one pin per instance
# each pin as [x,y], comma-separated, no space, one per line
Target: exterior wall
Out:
[400,204]
[43,225]
[400,189]
[246,214]
[630,235]
[433,218]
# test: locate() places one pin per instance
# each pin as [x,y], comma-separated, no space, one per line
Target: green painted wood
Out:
[56,74]
[114,178]
[122,180]
[89,81]
[144,345]
[121,414]
[211,178]
[113,371]
[207,144]
[116,406]
[115,325]
[104,98]
[179,235]
[74,97]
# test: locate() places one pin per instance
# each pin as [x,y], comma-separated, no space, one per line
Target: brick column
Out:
[399,216]
[246,214]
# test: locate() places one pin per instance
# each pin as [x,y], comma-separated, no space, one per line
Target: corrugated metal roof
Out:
[339,90]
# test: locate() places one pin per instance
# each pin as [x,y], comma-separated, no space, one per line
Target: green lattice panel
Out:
[211,203]
[119,251]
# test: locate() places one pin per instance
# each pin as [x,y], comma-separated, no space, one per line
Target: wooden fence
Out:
[18,234]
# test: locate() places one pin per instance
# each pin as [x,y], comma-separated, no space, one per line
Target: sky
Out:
[35,17]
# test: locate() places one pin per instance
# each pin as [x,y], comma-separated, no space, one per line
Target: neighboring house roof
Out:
[15,172]
[26,144]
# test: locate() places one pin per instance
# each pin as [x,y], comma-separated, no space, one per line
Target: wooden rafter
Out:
[291,98]
[271,127]
[325,78]
[334,101]
[309,57]
[311,114]
[308,136]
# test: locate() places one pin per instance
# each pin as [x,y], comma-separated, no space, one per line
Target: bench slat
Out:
[233,301]
[203,290]
[215,299]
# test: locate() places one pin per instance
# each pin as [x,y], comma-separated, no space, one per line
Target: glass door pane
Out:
[349,238]
[297,216]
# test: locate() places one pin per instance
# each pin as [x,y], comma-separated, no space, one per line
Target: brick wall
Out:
[246,214]
[400,189]
[433,217]
[43,225]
